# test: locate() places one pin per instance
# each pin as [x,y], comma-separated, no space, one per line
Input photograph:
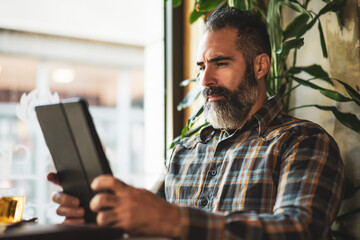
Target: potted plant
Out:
[284,78]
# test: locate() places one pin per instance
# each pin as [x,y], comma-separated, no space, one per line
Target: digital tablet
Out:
[75,147]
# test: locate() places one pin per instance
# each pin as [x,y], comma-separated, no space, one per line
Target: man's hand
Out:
[137,211]
[68,205]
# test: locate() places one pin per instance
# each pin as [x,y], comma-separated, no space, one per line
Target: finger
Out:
[70,212]
[107,218]
[102,201]
[53,177]
[65,200]
[107,182]
[74,221]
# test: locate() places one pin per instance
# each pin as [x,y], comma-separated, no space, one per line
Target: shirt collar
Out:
[263,116]
[207,133]
[267,113]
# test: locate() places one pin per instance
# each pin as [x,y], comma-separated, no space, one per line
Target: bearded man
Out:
[254,173]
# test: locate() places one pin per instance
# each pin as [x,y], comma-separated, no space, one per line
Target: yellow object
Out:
[11,209]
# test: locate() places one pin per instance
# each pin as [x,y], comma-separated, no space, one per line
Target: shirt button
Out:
[204,202]
[213,172]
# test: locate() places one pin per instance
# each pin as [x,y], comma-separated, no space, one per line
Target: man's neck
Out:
[262,99]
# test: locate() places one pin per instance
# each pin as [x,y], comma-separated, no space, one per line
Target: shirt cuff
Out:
[198,224]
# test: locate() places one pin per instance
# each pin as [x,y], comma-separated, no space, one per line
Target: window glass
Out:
[115,96]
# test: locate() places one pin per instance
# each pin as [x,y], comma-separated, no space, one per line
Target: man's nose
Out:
[207,77]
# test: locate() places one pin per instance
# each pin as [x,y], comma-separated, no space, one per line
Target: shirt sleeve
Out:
[159,187]
[308,197]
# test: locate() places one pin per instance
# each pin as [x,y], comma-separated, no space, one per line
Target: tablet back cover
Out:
[75,148]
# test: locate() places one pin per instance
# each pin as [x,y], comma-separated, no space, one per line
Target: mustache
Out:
[221,91]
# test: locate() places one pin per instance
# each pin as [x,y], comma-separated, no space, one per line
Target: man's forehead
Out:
[217,43]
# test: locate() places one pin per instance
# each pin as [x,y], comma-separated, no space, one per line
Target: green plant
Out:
[283,78]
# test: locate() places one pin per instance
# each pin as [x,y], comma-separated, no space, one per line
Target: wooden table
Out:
[60,232]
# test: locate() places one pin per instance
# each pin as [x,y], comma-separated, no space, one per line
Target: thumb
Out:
[107,182]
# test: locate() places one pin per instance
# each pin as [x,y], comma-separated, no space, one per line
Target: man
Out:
[252,174]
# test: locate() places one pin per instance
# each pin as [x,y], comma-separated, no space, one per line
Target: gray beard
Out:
[229,112]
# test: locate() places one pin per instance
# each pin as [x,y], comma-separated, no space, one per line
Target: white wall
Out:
[343,63]
[103,20]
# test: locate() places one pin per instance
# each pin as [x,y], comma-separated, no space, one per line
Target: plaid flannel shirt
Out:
[277,177]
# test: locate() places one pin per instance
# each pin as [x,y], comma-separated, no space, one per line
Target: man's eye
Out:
[219,64]
[201,68]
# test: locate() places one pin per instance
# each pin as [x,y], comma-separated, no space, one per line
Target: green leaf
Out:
[187,134]
[204,6]
[261,8]
[322,40]
[244,5]
[234,3]
[288,45]
[195,15]
[293,28]
[190,97]
[303,29]
[334,95]
[349,188]
[196,114]
[175,141]
[347,216]
[282,90]
[194,131]
[317,71]
[352,92]
[294,5]
[307,83]
[314,70]
[261,5]
[341,235]
[294,70]
[176,3]
[306,2]
[332,6]
[269,89]
[339,20]
[250,5]
[186,82]
[183,132]
[347,119]
[274,25]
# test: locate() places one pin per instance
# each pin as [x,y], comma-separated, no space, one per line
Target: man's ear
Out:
[261,66]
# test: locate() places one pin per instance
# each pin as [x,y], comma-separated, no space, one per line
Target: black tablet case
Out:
[75,147]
